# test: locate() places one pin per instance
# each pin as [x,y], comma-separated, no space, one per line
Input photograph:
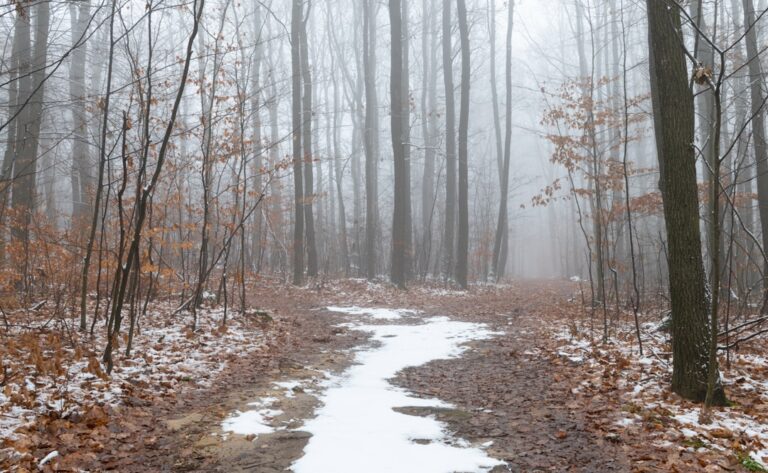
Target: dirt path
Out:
[506,394]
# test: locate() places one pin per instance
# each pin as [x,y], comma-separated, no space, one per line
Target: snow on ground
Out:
[48,375]
[254,421]
[288,387]
[374,313]
[357,429]
[739,430]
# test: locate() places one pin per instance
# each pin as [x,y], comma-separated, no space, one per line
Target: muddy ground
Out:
[506,390]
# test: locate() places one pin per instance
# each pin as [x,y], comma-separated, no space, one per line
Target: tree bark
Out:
[501,242]
[81,176]
[298,181]
[306,128]
[31,91]
[673,114]
[758,126]
[371,133]
[450,145]
[400,231]
[462,260]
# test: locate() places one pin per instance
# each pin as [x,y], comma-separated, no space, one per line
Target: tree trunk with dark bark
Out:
[462,256]
[298,181]
[673,114]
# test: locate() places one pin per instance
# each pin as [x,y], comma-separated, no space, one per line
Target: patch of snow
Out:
[254,422]
[357,429]
[439,292]
[288,387]
[625,422]
[47,458]
[166,359]
[688,433]
[731,420]
[374,313]
[573,358]
[760,456]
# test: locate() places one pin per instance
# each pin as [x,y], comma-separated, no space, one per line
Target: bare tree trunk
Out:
[400,234]
[450,144]
[82,179]
[429,127]
[100,184]
[16,75]
[758,127]
[306,128]
[673,114]
[463,246]
[406,119]
[371,133]
[705,101]
[207,103]
[338,169]
[124,270]
[28,135]
[257,238]
[501,241]
[298,181]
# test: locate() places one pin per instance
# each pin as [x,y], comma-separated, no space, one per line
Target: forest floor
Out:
[499,378]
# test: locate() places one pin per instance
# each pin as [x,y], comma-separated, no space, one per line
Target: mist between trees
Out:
[181,151]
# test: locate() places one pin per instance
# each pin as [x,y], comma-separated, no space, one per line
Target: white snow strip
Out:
[250,422]
[357,429]
[374,313]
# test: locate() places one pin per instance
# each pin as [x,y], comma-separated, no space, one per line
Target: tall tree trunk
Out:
[306,127]
[208,100]
[257,239]
[298,181]
[400,231]
[744,251]
[95,211]
[338,169]
[406,120]
[705,101]
[450,144]
[28,133]
[462,260]
[371,133]
[758,126]
[673,114]
[429,126]
[501,241]
[82,178]
[15,77]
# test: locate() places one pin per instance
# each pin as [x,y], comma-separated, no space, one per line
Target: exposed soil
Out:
[506,390]
[506,393]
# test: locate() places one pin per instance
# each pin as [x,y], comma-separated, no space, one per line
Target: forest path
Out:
[507,406]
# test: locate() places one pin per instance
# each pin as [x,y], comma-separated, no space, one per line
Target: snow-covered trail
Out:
[357,428]
[362,424]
